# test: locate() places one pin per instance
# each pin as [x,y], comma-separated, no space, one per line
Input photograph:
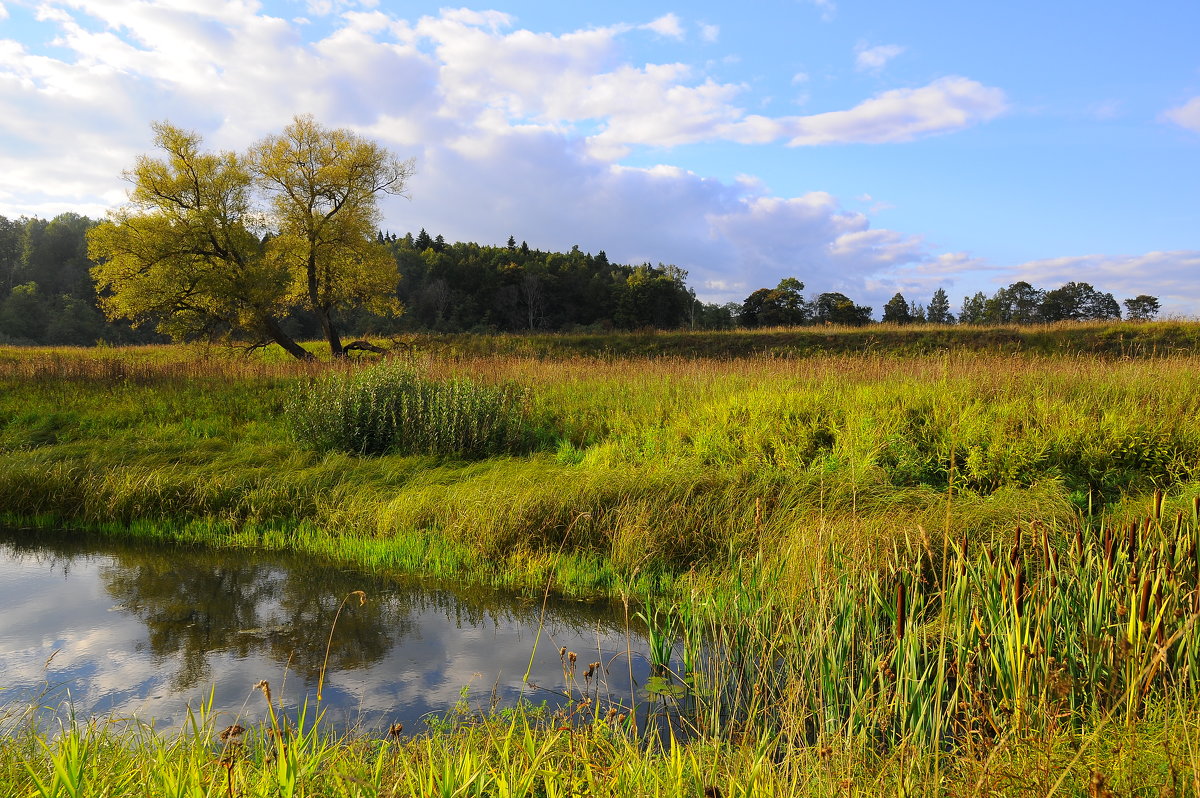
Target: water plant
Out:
[390,407]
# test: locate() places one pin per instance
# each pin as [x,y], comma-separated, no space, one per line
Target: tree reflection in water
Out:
[197,603]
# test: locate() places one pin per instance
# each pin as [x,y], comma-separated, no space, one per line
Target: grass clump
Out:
[390,408]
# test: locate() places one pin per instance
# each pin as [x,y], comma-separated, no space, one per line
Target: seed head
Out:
[231,732]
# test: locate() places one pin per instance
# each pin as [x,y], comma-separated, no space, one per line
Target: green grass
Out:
[524,754]
[654,467]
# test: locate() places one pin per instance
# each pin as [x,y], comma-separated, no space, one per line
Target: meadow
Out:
[955,562]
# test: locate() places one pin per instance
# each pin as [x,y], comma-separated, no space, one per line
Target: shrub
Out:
[390,408]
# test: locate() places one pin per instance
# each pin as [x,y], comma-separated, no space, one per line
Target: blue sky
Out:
[867,148]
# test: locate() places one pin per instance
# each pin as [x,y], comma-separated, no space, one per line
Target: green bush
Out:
[390,408]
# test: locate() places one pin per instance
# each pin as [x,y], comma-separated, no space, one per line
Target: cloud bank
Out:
[515,131]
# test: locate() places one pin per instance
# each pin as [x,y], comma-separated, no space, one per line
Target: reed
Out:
[390,408]
[947,651]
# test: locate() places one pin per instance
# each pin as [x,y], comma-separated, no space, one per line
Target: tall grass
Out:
[390,408]
[950,646]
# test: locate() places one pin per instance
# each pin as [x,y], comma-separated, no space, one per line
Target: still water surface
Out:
[132,630]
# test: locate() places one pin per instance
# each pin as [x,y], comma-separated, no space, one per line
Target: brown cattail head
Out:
[901,608]
[1019,588]
[1158,505]
[1144,600]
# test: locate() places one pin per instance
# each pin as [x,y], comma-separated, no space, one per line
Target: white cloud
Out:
[1186,115]
[515,132]
[667,25]
[709,33]
[3,12]
[322,8]
[873,59]
[947,104]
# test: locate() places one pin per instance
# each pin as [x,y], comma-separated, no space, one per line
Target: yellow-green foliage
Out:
[664,464]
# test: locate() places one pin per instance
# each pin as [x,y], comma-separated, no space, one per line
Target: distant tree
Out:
[917,311]
[938,311]
[55,254]
[653,296]
[532,297]
[1077,301]
[751,309]
[1141,308]
[896,311]
[973,309]
[1019,303]
[710,316]
[780,306]
[74,322]
[836,308]
[1024,302]
[23,314]
[422,241]
[512,243]
[11,264]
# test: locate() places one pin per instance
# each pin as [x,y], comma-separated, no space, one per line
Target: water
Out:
[130,630]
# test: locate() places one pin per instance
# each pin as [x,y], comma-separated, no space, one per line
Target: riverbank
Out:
[648,471]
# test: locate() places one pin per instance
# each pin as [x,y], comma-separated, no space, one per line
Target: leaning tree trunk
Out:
[276,334]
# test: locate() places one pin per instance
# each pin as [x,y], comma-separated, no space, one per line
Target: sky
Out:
[863,147]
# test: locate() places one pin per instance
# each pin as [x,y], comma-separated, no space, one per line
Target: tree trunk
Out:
[331,333]
[277,335]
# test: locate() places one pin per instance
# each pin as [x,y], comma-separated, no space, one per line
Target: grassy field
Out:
[920,561]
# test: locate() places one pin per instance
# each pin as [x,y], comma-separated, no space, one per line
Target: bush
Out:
[389,408]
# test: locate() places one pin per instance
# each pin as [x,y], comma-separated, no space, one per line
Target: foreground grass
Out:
[518,755]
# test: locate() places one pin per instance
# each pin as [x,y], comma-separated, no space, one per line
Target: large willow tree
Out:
[234,242]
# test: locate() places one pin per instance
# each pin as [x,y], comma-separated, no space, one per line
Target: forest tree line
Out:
[48,296]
